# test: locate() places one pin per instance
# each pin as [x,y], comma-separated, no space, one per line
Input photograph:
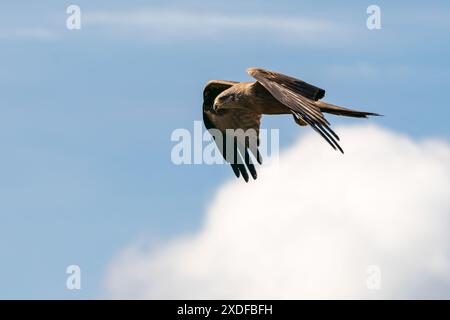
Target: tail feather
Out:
[341,111]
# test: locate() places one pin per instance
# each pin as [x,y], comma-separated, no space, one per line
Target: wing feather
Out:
[292,93]
[239,159]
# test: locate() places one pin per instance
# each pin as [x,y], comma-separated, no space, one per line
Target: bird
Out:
[231,109]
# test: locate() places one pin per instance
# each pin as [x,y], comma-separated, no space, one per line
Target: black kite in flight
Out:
[239,105]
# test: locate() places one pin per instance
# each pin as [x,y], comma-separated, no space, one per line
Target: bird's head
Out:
[228,99]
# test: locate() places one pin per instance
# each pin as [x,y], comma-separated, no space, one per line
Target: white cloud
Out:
[169,24]
[310,227]
[33,33]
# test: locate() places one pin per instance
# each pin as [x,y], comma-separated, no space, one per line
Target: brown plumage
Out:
[239,105]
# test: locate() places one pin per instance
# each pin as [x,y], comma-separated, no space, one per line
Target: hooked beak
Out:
[215,106]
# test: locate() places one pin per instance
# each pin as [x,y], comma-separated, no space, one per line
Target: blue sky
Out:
[86,115]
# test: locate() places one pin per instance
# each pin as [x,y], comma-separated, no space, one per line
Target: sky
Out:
[86,118]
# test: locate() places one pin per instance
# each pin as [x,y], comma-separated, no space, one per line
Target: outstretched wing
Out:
[300,97]
[243,136]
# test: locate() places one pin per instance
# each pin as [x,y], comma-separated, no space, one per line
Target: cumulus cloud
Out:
[311,227]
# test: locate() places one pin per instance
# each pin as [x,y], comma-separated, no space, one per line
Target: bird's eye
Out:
[227,98]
